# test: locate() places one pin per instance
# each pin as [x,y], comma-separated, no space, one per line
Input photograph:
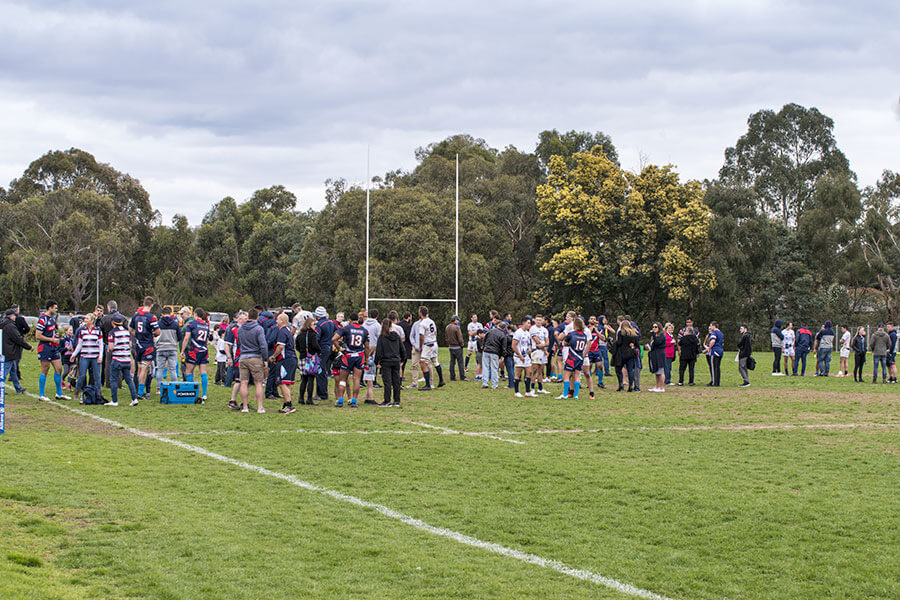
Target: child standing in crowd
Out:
[221,360]
[68,347]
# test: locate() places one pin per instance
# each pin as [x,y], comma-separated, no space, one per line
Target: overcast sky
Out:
[201,100]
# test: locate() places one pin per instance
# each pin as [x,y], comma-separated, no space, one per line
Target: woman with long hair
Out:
[657,356]
[389,354]
[577,342]
[307,356]
[626,354]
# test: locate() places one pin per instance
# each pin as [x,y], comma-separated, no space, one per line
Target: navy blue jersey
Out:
[47,326]
[199,333]
[577,341]
[355,338]
[144,323]
[286,338]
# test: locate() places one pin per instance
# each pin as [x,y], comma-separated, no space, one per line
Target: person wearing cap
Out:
[13,344]
[823,347]
[325,329]
[880,345]
[453,336]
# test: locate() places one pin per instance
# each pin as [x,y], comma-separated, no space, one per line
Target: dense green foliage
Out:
[784,231]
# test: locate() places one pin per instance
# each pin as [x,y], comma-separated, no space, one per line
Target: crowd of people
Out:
[268,349]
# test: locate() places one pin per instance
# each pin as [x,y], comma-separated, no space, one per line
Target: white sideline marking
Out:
[436,430]
[547,563]
[449,431]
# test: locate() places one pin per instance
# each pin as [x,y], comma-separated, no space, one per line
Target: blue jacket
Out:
[270,328]
[325,327]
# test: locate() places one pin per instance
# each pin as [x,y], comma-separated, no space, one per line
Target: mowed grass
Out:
[695,493]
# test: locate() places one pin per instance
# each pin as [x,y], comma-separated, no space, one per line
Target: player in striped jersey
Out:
[49,351]
[88,351]
[195,349]
[121,364]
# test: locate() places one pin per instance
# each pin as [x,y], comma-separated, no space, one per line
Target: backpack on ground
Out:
[91,394]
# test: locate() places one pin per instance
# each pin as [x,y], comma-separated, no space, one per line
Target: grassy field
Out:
[785,490]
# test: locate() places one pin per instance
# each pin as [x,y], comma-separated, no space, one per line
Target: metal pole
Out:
[368,179]
[98,278]
[456,294]
[2,387]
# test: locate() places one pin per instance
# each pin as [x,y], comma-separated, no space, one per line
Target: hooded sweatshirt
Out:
[170,334]
[389,349]
[777,335]
[252,341]
[373,327]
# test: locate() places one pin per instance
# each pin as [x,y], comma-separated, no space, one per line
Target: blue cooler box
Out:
[180,392]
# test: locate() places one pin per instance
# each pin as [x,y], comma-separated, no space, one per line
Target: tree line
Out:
[784,230]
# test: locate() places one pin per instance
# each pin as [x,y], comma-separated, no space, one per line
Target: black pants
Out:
[307,383]
[686,364]
[456,358]
[859,361]
[322,376]
[716,370]
[776,364]
[392,382]
[220,372]
[272,382]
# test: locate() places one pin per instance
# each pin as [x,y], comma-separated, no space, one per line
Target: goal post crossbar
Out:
[412,299]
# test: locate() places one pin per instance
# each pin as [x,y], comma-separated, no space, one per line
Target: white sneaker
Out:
[45,398]
[518,395]
[547,380]
[561,397]
[260,411]
[134,402]
[531,394]
[543,392]
[246,410]
[111,403]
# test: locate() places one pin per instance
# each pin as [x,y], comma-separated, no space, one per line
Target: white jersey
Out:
[541,336]
[788,343]
[523,342]
[472,329]
[428,329]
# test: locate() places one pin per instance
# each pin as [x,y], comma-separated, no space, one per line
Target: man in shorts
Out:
[284,358]
[428,350]
[254,354]
[892,352]
[144,327]
[472,346]
[48,349]
[355,338]
[521,345]
[540,339]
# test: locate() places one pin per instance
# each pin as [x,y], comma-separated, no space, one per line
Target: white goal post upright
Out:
[455,299]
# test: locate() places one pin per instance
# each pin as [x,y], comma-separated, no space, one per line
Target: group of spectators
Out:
[267,349]
[792,346]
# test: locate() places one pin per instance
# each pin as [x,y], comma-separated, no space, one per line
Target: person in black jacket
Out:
[688,349]
[307,346]
[745,349]
[860,347]
[657,357]
[13,343]
[494,347]
[389,353]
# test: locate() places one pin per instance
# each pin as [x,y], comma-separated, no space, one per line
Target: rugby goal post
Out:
[455,299]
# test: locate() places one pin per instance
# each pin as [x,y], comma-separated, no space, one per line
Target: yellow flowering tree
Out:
[616,239]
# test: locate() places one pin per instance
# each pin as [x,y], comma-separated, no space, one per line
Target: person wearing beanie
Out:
[777,346]
[823,347]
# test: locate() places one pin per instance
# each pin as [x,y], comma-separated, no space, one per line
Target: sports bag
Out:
[309,365]
[91,395]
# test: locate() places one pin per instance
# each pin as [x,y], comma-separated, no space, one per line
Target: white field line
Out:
[436,430]
[547,563]
[449,431]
